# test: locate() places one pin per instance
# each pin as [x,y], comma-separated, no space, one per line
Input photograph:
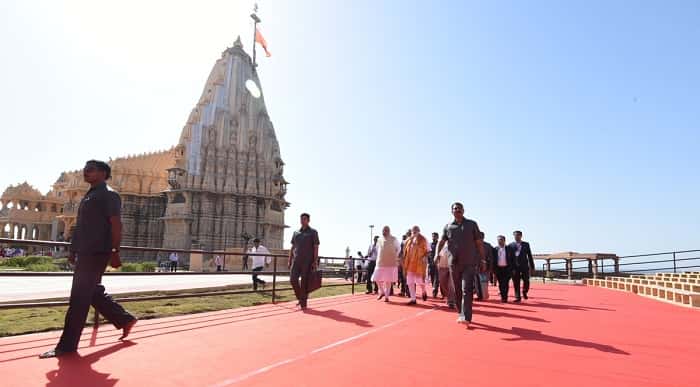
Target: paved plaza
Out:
[40,287]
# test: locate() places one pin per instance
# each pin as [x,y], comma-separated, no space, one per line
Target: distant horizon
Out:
[576,122]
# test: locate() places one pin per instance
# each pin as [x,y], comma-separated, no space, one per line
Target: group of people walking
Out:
[451,262]
[455,264]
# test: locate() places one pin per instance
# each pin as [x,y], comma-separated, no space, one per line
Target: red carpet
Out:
[563,336]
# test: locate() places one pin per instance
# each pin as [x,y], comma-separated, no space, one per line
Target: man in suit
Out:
[503,264]
[484,269]
[524,265]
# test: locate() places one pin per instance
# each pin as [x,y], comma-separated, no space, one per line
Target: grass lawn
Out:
[30,320]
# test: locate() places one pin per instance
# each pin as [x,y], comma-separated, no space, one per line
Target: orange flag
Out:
[259,39]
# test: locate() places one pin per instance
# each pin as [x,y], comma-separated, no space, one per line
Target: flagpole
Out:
[256,20]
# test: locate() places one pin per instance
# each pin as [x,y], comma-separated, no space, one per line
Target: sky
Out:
[577,122]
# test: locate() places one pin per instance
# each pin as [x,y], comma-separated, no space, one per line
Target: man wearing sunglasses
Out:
[95,243]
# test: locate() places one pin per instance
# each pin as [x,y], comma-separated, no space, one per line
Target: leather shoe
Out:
[127,328]
[53,353]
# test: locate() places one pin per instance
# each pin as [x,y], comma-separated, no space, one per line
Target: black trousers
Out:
[173,266]
[434,278]
[477,286]
[371,265]
[503,275]
[524,275]
[85,291]
[402,282]
[299,277]
[257,280]
[358,268]
[245,263]
[463,277]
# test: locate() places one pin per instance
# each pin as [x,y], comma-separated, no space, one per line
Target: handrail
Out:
[275,273]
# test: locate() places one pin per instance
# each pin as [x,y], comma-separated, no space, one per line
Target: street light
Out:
[371,232]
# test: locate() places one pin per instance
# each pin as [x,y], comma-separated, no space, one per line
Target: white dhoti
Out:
[413,280]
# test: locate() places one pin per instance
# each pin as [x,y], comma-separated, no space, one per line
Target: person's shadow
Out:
[76,370]
[523,334]
[338,316]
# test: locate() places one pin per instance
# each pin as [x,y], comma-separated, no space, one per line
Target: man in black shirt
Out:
[95,243]
[303,259]
[466,249]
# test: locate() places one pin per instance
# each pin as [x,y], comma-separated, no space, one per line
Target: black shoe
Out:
[450,306]
[54,353]
[425,297]
[127,328]
[368,292]
[525,296]
[516,300]
[504,300]
[412,302]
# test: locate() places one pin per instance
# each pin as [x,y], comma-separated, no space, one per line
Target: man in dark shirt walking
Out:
[467,249]
[303,258]
[524,265]
[432,267]
[95,243]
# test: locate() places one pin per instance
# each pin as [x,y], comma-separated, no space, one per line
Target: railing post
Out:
[352,271]
[274,278]
[674,261]
[544,273]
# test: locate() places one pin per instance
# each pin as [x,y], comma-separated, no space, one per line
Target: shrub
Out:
[130,267]
[42,267]
[26,261]
[148,267]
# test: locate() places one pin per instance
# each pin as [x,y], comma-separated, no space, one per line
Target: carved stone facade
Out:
[220,186]
[227,183]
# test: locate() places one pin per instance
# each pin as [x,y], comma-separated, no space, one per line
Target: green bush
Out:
[130,267]
[42,267]
[148,267]
[27,261]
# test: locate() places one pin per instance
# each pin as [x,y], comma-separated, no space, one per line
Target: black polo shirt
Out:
[462,239]
[93,231]
[303,242]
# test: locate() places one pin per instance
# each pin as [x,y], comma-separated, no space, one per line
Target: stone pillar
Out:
[617,265]
[569,268]
[54,230]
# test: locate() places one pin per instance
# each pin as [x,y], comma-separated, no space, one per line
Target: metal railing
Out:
[672,261]
[329,271]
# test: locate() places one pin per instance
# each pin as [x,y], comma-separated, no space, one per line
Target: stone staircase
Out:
[677,288]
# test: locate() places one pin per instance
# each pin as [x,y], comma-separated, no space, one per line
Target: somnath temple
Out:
[221,185]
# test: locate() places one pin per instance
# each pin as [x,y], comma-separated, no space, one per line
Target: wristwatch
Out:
[115,250]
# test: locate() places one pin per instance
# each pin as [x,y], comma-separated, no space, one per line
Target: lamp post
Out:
[371,232]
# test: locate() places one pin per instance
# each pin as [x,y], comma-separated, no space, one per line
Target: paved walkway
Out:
[31,288]
[563,336]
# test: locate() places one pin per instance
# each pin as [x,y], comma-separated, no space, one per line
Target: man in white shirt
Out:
[259,261]
[218,262]
[445,283]
[173,261]
[503,265]
[371,265]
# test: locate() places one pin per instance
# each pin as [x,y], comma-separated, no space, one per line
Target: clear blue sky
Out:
[577,122]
